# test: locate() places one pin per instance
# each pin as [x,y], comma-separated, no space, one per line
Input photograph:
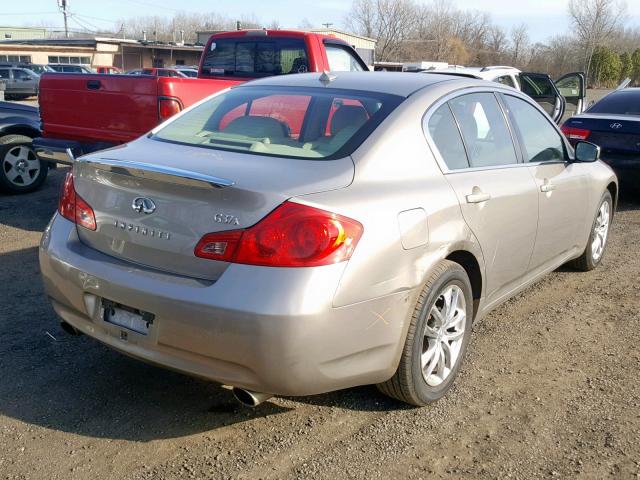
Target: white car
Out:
[560,99]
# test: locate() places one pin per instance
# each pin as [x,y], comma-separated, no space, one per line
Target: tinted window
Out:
[445,134]
[4,73]
[484,130]
[625,102]
[342,60]
[537,85]
[243,57]
[312,123]
[542,142]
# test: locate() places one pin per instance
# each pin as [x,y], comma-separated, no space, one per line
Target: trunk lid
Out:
[615,134]
[188,208]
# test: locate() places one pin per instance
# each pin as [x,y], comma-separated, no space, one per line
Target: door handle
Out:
[93,84]
[547,187]
[478,196]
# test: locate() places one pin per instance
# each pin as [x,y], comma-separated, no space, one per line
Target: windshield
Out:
[313,123]
[624,102]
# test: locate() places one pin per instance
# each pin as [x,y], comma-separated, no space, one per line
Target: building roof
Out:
[93,41]
[329,31]
[395,83]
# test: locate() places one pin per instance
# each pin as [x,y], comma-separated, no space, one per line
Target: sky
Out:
[545,18]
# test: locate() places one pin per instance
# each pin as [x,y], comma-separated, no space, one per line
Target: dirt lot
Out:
[550,389]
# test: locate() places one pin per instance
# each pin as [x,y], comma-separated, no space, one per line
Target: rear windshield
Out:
[311,123]
[248,57]
[623,102]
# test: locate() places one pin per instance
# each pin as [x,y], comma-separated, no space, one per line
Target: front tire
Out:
[437,339]
[597,243]
[21,171]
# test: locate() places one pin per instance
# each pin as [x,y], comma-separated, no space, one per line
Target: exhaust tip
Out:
[70,329]
[249,398]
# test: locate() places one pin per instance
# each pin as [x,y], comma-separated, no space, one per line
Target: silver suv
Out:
[19,82]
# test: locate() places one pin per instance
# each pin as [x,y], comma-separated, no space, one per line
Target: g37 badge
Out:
[226,219]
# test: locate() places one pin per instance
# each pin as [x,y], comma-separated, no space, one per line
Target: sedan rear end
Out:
[194,248]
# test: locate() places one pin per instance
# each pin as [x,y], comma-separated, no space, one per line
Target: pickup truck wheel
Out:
[21,171]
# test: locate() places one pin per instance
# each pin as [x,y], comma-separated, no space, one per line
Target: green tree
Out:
[627,65]
[636,65]
[606,67]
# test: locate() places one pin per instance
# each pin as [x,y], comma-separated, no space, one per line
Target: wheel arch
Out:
[26,130]
[613,190]
[469,262]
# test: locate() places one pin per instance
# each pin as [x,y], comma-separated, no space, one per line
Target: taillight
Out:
[574,134]
[73,207]
[293,235]
[168,107]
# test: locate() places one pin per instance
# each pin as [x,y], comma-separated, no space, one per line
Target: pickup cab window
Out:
[341,59]
[246,57]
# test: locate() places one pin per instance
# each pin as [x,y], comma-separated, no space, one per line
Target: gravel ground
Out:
[549,390]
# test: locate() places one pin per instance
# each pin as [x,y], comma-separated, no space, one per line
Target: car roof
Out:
[395,83]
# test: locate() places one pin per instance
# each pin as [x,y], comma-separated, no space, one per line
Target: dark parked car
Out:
[69,68]
[20,169]
[20,82]
[613,123]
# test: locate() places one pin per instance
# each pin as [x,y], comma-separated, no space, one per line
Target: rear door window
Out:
[484,129]
[444,132]
[4,73]
[246,57]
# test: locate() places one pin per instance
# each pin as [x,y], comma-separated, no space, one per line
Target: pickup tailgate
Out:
[111,108]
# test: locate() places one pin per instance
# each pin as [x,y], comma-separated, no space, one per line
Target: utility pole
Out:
[64,5]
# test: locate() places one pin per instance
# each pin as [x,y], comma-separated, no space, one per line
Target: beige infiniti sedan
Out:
[306,233]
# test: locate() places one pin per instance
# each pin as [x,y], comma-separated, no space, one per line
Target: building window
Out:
[179,62]
[67,60]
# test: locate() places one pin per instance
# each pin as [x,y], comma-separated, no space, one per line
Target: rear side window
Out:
[542,142]
[445,134]
[309,123]
[341,59]
[244,57]
[484,130]
[624,102]
[4,73]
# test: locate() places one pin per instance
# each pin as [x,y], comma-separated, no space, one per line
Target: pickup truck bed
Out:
[113,108]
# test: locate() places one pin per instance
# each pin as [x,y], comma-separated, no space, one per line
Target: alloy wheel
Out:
[443,335]
[600,231]
[21,166]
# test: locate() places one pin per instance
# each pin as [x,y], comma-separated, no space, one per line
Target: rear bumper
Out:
[64,151]
[266,329]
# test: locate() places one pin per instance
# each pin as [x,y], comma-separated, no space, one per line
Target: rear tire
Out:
[437,338]
[598,236]
[21,171]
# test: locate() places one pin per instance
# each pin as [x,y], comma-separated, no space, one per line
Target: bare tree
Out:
[519,43]
[594,22]
[391,22]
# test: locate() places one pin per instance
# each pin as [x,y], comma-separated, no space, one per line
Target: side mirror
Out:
[587,152]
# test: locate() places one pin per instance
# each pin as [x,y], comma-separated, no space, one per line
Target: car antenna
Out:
[326,78]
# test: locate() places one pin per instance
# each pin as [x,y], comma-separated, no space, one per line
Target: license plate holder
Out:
[127,317]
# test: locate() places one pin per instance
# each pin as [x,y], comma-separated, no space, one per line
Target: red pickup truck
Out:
[84,113]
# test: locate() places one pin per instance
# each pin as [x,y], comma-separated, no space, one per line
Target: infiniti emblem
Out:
[143,205]
[616,125]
